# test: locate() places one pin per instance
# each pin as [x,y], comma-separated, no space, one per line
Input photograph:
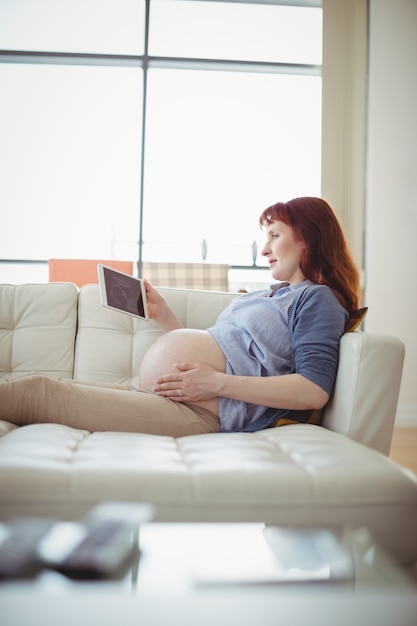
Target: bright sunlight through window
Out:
[139,130]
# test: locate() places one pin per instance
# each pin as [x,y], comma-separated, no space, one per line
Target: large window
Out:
[153,131]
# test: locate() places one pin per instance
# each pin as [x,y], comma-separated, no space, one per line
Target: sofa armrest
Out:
[364,402]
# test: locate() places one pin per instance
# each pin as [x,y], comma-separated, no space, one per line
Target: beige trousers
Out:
[99,407]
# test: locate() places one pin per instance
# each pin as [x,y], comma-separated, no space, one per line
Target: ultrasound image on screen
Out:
[123,292]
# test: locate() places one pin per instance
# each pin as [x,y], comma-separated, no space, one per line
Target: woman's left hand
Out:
[192,382]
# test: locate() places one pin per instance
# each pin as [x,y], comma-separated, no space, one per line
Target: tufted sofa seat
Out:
[334,474]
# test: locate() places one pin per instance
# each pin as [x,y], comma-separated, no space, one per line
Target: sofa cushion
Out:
[298,475]
[37,329]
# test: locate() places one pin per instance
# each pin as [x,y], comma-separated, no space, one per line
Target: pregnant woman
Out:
[271,357]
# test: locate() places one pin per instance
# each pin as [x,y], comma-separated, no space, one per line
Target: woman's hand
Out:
[193,382]
[159,309]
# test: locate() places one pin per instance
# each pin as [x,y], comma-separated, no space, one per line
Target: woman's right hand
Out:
[159,310]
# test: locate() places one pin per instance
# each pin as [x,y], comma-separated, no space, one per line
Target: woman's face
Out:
[284,253]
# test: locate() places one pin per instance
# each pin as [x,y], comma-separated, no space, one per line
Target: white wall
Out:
[391,186]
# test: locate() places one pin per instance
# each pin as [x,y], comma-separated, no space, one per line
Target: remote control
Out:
[103,545]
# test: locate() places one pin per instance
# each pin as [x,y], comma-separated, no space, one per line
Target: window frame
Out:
[343,74]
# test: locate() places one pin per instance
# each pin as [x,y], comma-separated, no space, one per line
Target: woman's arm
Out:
[200,382]
[290,391]
[159,309]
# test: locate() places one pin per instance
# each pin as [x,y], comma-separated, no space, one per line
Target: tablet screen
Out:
[122,292]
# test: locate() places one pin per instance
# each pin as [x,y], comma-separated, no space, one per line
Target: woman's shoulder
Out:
[317,304]
[319,295]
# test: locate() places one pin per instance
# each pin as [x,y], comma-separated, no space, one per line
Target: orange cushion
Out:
[82,271]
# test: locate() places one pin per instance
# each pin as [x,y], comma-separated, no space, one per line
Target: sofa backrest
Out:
[37,329]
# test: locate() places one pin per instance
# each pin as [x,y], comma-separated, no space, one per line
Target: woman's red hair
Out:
[327,259]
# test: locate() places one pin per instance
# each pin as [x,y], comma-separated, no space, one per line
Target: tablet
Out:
[122,292]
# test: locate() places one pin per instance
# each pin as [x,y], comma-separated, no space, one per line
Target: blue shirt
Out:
[284,330]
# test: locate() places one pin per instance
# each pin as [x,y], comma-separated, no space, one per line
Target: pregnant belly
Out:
[178,346]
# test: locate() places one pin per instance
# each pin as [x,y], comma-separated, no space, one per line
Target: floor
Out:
[404,447]
[404,451]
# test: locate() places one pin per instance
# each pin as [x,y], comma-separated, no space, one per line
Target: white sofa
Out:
[337,474]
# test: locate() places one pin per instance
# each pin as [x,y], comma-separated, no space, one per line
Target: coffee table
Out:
[217,574]
[191,558]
